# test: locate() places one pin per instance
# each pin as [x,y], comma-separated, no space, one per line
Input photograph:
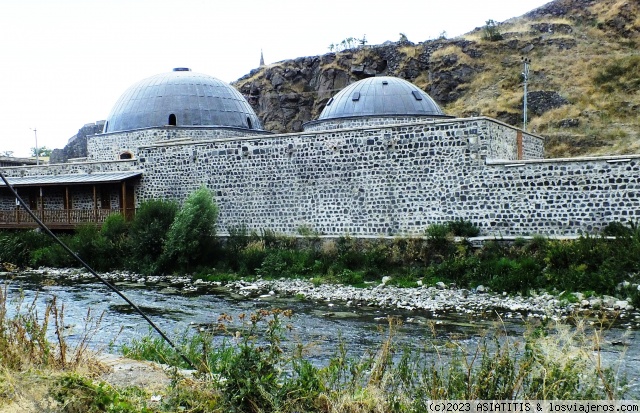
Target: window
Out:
[249,122]
[126,155]
[172,120]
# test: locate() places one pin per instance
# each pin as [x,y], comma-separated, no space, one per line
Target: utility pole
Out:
[525,74]
[35,132]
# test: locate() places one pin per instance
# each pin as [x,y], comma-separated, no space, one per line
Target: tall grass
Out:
[259,368]
[35,352]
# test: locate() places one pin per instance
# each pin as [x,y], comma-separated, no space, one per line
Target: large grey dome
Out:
[181,98]
[380,96]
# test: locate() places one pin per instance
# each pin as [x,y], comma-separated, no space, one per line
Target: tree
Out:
[491,31]
[148,235]
[42,151]
[192,233]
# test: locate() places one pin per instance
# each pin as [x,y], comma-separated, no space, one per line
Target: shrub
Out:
[349,277]
[17,247]
[114,234]
[440,245]
[148,234]
[191,234]
[79,394]
[94,249]
[238,239]
[53,255]
[617,229]
[348,254]
[491,31]
[287,262]
[462,228]
[512,275]
[115,229]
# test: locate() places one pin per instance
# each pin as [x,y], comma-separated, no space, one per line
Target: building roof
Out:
[71,179]
[380,96]
[13,161]
[181,98]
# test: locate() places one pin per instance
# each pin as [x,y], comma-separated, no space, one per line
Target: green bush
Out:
[462,228]
[491,31]
[54,255]
[590,263]
[286,262]
[89,244]
[250,259]
[462,270]
[77,394]
[115,229]
[148,234]
[617,229]
[349,277]
[191,236]
[16,247]
[440,245]
[512,275]
[349,254]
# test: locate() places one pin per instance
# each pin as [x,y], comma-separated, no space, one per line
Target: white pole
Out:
[35,132]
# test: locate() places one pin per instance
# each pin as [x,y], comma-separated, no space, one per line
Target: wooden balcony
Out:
[57,218]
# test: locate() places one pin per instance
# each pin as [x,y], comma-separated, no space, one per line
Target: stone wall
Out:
[364,121]
[381,181]
[110,146]
[553,197]
[71,168]
[376,181]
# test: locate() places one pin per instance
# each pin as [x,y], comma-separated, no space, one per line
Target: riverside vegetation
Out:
[165,239]
[260,368]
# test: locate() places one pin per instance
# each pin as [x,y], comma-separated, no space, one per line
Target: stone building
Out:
[382,159]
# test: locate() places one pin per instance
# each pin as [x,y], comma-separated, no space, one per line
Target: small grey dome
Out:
[181,98]
[380,96]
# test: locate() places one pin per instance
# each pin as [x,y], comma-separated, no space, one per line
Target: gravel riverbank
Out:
[438,299]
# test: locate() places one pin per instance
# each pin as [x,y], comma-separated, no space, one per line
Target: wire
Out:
[102,280]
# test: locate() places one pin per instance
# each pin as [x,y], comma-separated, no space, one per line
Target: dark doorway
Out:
[172,120]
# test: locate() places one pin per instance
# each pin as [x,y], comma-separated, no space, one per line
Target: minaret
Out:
[261,59]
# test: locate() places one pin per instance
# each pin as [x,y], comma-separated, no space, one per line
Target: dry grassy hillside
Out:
[584,83]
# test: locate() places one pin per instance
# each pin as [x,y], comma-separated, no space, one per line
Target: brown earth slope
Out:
[583,86]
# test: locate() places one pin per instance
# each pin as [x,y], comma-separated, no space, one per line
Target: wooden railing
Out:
[61,218]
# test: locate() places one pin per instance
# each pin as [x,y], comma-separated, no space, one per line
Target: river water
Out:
[322,323]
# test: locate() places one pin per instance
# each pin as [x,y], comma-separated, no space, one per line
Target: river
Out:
[320,322]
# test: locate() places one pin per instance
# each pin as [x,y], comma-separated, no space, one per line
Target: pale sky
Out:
[64,63]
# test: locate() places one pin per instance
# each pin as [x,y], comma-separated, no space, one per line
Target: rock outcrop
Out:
[77,145]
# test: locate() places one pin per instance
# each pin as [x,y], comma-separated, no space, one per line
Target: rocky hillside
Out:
[77,145]
[583,85]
